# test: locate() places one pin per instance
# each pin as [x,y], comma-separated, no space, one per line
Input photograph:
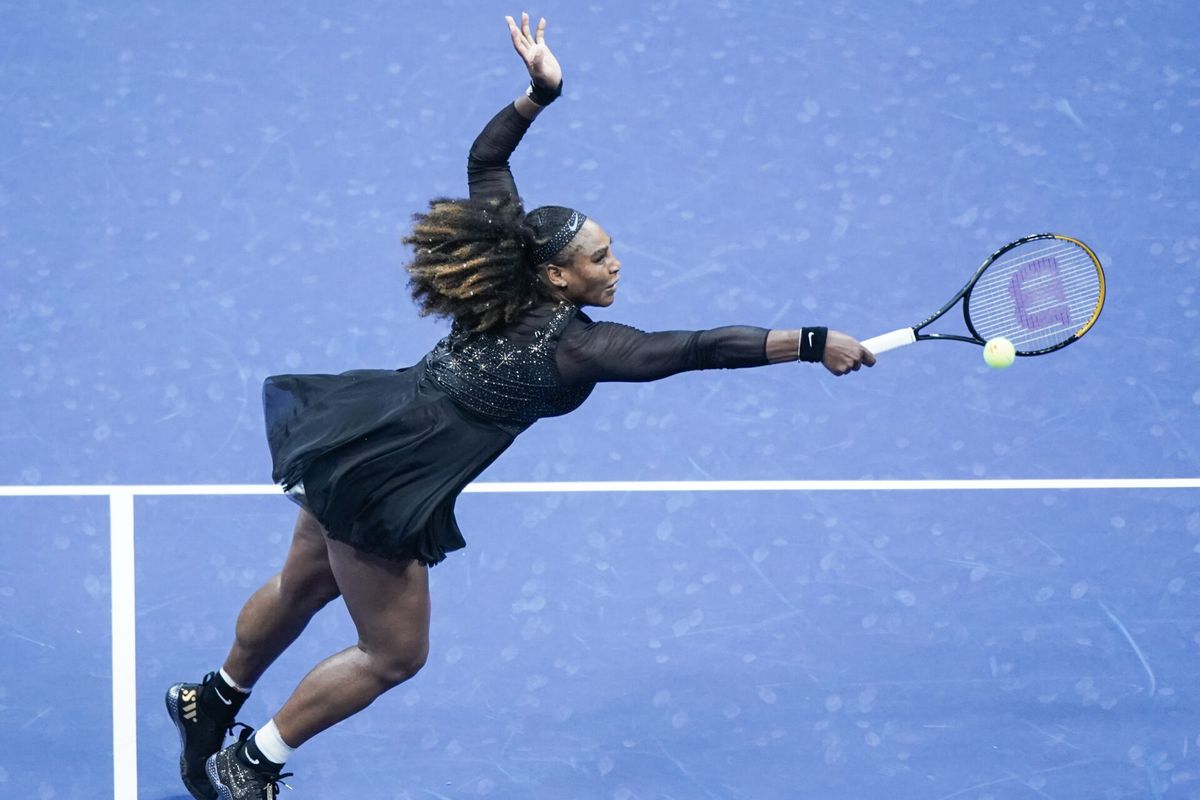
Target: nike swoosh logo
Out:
[810,335]
[223,700]
[574,223]
[252,759]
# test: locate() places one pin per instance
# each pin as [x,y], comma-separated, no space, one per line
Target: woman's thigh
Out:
[306,570]
[387,600]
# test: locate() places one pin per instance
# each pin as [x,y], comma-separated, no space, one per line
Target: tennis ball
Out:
[999,352]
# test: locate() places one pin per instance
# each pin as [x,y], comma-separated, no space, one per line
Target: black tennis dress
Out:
[380,456]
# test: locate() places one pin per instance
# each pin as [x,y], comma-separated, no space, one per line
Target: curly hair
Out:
[471,264]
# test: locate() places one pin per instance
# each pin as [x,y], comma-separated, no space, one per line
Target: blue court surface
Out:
[196,196]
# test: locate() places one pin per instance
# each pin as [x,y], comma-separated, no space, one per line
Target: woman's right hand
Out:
[845,354]
[543,67]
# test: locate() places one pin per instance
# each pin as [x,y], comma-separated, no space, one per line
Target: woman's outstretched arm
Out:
[488,172]
[590,352]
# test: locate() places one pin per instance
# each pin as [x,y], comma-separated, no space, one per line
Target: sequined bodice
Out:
[509,382]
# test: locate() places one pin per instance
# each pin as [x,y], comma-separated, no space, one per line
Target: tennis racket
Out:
[1041,293]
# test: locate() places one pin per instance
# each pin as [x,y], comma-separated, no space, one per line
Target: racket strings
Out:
[1059,292]
[1037,326]
[1078,280]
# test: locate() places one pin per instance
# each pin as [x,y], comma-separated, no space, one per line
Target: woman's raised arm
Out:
[545,73]
[488,172]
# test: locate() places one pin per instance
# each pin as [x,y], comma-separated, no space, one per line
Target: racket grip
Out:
[890,341]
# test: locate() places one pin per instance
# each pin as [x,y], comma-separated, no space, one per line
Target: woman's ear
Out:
[554,274]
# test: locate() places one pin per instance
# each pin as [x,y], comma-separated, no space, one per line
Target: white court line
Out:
[124,605]
[124,647]
[497,487]
[520,487]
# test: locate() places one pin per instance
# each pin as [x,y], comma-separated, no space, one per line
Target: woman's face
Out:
[590,277]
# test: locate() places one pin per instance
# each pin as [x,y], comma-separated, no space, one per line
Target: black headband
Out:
[554,227]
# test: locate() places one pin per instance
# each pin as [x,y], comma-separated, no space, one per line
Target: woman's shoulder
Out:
[545,319]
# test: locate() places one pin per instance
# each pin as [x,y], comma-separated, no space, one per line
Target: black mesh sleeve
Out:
[591,352]
[488,174]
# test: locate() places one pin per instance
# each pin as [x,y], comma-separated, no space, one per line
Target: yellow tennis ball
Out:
[999,352]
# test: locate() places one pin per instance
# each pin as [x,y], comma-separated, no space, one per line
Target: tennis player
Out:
[377,458]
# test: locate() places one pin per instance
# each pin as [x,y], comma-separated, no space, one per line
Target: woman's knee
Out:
[396,664]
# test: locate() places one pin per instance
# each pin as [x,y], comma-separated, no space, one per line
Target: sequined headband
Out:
[549,248]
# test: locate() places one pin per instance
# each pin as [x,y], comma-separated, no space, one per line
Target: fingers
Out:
[843,363]
[531,38]
[853,363]
[515,32]
[523,38]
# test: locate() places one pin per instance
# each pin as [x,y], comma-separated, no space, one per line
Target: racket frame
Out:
[906,336]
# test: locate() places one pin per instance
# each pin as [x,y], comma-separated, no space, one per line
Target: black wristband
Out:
[812,344]
[541,95]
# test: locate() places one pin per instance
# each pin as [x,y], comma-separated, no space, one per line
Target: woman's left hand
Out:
[543,67]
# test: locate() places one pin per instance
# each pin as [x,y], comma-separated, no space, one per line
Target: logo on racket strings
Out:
[1041,298]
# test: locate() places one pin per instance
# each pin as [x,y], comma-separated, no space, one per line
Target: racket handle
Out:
[890,341]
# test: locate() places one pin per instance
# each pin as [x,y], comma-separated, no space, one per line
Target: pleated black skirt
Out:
[381,456]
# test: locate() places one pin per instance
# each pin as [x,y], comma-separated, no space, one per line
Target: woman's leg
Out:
[270,621]
[276,614]
[389,604]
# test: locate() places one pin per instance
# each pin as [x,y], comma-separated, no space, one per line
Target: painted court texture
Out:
[926,580]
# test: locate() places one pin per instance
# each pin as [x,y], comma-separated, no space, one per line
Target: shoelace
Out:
[246,733]
[273,783]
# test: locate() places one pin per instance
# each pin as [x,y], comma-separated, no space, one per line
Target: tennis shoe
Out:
[235,778]
[201,732]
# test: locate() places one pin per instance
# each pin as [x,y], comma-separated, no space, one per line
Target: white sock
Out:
[271,744]
[225,677]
